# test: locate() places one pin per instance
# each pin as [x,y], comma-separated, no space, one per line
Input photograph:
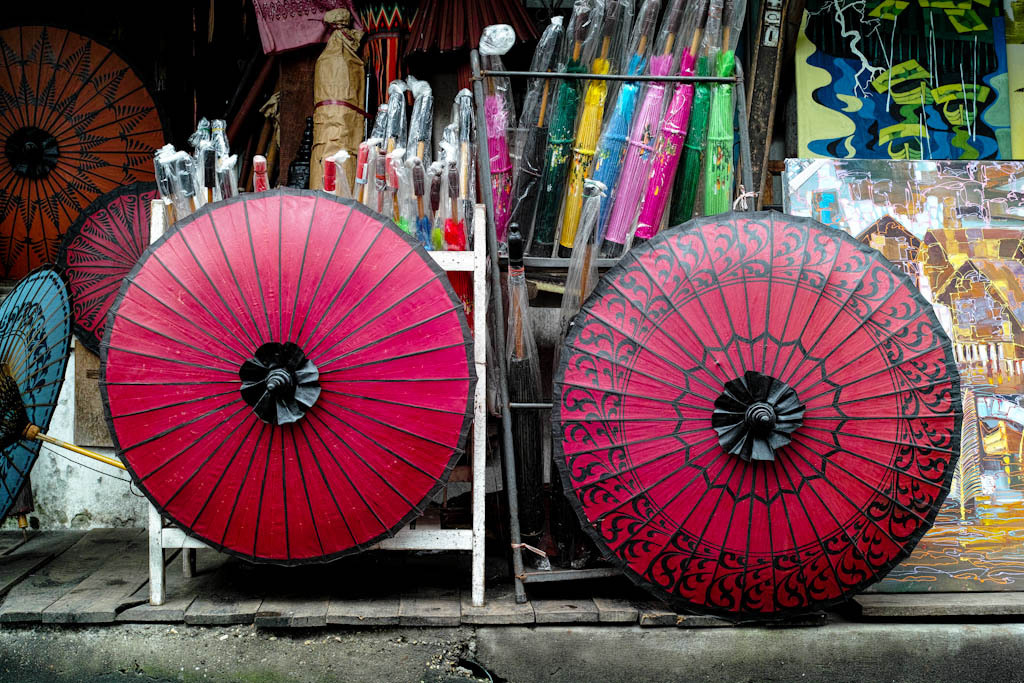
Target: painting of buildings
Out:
[957,230]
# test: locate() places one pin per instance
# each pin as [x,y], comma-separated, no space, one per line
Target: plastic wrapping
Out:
[342,184]
[206,156]
[524,385]
[719,168]
[184,183]
[611,147]
[421,121]
[227,176]
[643,134]
[330,176]
[499,112]
[581,41]
[359,182]
[169,182]
[397,130]
[201,133]
[260,181]
[380,181]
[339,87]
[380,122]
[436,187]
[219,138]
[531,133]
[370,171]
[673,131]
[454,227]
[588,130]
[688,176]
[420,192]
[464,111]
[581,277]
[399,190]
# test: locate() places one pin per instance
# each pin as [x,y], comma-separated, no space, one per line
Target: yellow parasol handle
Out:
[32,433]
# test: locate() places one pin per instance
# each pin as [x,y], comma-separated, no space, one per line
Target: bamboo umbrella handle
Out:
[32,432]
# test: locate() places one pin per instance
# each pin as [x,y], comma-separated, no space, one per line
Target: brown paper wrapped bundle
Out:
[339,85]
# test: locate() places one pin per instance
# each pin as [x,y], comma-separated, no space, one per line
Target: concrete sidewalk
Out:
[839,652]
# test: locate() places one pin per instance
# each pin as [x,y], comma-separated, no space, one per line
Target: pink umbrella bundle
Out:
[499,111]
[501,163]
[673,131]
[640,148]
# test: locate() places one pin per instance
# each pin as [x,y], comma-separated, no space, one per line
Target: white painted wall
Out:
[69,495]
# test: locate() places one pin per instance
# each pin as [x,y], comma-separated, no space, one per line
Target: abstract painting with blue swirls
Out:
[902,79]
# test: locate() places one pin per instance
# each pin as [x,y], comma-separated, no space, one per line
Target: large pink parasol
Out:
[287,376]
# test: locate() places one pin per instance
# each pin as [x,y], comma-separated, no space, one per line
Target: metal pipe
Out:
[610,77]
[484,164]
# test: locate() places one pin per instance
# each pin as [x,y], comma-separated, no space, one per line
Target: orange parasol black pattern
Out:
[76,122]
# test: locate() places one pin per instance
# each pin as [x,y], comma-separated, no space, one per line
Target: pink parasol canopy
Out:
[288,377]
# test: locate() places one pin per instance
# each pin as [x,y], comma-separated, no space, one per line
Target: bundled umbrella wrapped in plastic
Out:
[369,177]
[531,134]
[646,124]
[611,147]
[688,176]
[618,20]
[339,86]
[719,173]
[499,111]
[673,131]
[581,42]
[524,385]
[396,129]
[421,121]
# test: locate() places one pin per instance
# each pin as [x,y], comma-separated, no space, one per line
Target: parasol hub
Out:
[755,415]
[32,152]
[760,419]
[279,382]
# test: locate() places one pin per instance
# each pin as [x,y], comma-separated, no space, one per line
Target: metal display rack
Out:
[422,534]
[521,576]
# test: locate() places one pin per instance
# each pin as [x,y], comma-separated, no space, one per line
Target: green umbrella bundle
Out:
[684,190]
[720,171]
[582,38]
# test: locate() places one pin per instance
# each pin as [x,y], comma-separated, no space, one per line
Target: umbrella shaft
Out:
[81,451]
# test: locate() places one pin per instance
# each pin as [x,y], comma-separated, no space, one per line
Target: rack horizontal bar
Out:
[569,574]
[531,406]
[610,77]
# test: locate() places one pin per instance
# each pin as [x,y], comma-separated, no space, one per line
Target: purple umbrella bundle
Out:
[640,148]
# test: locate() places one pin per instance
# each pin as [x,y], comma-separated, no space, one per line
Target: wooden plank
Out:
[9,540]
[181,591]
[37,551]
[615,611]
[90,424]
[576,611]
[353,612]
[232,597]
[27,600]
[889,605]
[700,621]
[292,612]
[763,88]
[656,614]
[430,606]
[98,598]
[499,608]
